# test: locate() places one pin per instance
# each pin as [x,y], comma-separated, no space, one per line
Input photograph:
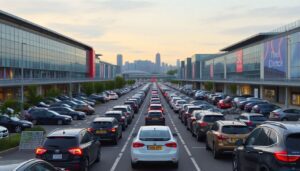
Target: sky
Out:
[138,29]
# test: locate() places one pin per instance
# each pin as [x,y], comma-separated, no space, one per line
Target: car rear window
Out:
[233,129]
[117,116]
[121,109]
[191,110]
[213,118]
[181,102]
[293,141]
[258,118]
[61,142]
[154,114]
[155,107]
[102,124]
[154,135]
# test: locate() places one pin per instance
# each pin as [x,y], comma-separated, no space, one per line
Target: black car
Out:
[76,115]
[107,129]
[264,109]
[99,98]
[14,124]
[271,146]
[120,116]
[29,165]
[133,105]
[155,117]
[45,116]
[72,149]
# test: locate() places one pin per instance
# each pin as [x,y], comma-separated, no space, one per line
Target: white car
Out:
[3,132]
[113,96]
[154,144]
[178,105]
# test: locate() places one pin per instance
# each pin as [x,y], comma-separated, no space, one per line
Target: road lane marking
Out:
[114,166]
[183,142]
[199,147]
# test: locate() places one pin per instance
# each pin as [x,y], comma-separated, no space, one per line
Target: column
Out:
[261,93]
[287,97]
[238,90]
[225,88]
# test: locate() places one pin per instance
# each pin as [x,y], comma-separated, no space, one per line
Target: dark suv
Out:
[72,149]
[271,146]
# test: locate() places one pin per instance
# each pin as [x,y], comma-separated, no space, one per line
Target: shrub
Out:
[88,88]
[11,103]
[36,128]
[53,92]
[12,141]
[32,96]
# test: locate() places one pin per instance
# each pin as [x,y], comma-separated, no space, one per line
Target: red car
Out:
[223,104]
[156,107]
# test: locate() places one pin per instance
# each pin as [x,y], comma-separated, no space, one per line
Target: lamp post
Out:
[22,76]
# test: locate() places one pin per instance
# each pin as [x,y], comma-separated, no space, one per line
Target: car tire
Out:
[120,137]
[75,117]
[216,153]
[123,128]
[134,165]
[34,122]
[18,129]
[206,145]
[98,157]
[198,137]
[85,165]
[284,119]
[59,122]
[187,128]
[175,165]
[115,141]
[235,164]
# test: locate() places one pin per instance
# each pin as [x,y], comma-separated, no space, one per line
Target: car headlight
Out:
[25,124]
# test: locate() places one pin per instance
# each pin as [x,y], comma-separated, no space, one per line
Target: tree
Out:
[130,82]
[32,96]
[52,92]
[11,103]
[119,82]
[88,88]
[99,87]
[208,86]
[172,72]
[233,88]
[110,85]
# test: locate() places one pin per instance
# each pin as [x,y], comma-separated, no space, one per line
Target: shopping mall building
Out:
[265,65]
[47,59]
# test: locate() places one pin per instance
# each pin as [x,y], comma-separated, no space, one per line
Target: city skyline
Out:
[138,29]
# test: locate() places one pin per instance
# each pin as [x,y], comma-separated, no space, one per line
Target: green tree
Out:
[119,82]
[172,72]
[233,88]
[11,103]
[52,92]
[208,86]
[99,87]
[110,85]
[130,82]
[88,88]
[32,96]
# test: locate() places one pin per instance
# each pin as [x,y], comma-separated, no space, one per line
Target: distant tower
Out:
[157,62]
[119,63]
[178,63]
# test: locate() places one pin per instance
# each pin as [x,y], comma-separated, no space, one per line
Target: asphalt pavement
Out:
[193,155]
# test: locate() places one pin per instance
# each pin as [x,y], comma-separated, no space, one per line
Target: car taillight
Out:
[203,124]
[193,119]
[75,151]
[249,123]
[113,130]
[122,118]
[171,145]
[276,114]
[221,137]
[283,156]
[91,129]
[137,145]
[40,151]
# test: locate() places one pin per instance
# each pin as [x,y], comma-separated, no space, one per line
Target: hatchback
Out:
[76,115]
[154,144]
[155,117]
[14,124]
[29,165]
[252,120]
[156,107]
[285,115]
[120,116]
[72,149]
[45,116]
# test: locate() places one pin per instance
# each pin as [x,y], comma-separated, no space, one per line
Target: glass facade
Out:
[43,57]
[219,68]
[295,55]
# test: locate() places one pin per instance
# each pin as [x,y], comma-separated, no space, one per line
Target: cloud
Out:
[125,4]
[247,30]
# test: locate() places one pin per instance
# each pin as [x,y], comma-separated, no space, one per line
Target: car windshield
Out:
[191,110]
[121,109]
[181,102]
[258,118]
[213,118]
[155,107]
[60,142]
[154,135]
[117,116]
[14,118]
[293,141]
[154,114]
[233,129]
[102,124]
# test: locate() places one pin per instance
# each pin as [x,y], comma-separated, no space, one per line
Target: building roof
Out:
[27,24]
[250,40]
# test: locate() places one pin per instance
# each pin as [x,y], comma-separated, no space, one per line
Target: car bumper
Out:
[154,122]
[3,135]
[106,137]
[159,157]
[69,165]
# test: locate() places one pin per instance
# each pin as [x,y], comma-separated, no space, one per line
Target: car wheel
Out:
[115,141]
[98,157]
[206,145]
[34,122]
[198,137]
[175,165]
[18,129]
[216,153]
[75,117]
[59,122]
[193,132]
[85,165]
[187,128]
[235,164]
[123,128]
[134,165]
[284,119]
[121,135]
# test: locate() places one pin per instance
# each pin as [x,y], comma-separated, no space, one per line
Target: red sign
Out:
[239,61]
[91,64]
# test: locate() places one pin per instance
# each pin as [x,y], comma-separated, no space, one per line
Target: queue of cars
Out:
[262,140]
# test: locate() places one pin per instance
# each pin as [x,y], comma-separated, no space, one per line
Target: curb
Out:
[9,150]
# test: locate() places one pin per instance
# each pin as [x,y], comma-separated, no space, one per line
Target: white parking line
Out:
[184,144]
[114,166]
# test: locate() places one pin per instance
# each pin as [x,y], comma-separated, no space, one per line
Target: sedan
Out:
[3,132]
[14,124]
[154,144]
[76,115]
[285,115]
[29,165]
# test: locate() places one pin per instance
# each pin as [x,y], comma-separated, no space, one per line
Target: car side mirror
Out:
[239,142]
[134,134]
[175,134]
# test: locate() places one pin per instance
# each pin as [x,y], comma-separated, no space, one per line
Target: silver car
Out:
[154,144]
[3,132]
[285,115]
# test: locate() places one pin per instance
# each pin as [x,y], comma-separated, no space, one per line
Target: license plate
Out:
[154,147]
[233,140]
[57,156]
[101,132]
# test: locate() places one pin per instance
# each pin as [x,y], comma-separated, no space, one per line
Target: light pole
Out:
[22,76]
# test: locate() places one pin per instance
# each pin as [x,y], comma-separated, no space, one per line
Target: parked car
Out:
[252,120]
[178,105]
[204,123]
[188,113]
[271,146]
[127,110]
[3,132]
[223,104]
[155,117]
[156,107]
[72,149]
[76,115]
[120,116]
[107,129]
[264,109]
[14,124]
[113,96]
[285,115]
[248,107]
[45,116]
[154,144]
[133,105]
[224,134]
[28,165]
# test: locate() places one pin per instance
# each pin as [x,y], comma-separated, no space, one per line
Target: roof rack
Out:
[276,124]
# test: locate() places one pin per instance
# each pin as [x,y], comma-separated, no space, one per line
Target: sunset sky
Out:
[139,29]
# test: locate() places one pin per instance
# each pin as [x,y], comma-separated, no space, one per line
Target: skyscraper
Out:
[177,63]
[157,62]
[119,63]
